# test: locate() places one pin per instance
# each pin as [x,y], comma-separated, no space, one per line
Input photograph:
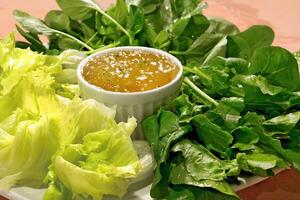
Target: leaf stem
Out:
[237,91]
[91,38]
[197,72]
[184,53]
[74,38]
[200,92]
[102,48]
[115,22]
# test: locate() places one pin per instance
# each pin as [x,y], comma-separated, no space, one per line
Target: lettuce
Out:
[102,165]
[44,123]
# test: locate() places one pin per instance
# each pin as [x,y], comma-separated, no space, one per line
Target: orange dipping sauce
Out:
[130,71]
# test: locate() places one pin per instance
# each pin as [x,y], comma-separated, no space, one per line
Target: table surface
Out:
[283,17]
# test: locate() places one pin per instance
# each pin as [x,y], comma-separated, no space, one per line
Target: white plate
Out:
[25,193]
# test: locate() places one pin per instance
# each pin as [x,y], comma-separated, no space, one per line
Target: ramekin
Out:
[136,104]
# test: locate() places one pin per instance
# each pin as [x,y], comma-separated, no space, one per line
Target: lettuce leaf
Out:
[25,138]
[35,121]
[102,165]
[21,149]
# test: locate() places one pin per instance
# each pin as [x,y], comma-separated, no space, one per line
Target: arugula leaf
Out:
[65,43]
[181,176]
[35,43]
[260,82]
[199,193]
[120,12]
[244,138]
[162,145]
[198,162]
[170,123]
[82,9]
[56,19]
[259,163]
[290,155]
[282,124]
[194,174]
[136,20]
[278,65]
[259,95]
[184,194]
[36,26]
[211,134]
[242,45]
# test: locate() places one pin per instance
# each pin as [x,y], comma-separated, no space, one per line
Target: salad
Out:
[237,113]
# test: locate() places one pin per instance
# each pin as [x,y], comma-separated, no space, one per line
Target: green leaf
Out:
[188,173]
[151,128]
[199,163]
[184,194]
[32,24]
[260,82]
[293,155]
[35,121]
[180,176]
[169,123]
[136,20]
[242,45]
[36,26]
[244,138]
[35,43]
[65,43]
[211,134]
[101,165]
[251,119]
[87,31]
[278,65]
[56,19]
[282,124]
[232,168]
[161,147]
[199,93]
[78,9]
[179,26]
[161,39]
[121,12]
[260,95]
[215,78]
[196,26]
[228,110]
[290,155]
[183,107]
[83,9]
[202,193]
[259,163]
[220,25]
[203,44]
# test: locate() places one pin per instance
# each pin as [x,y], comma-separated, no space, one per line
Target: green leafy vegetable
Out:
[101,165]
[44,123]
[82,9]
[211,134]
[259,163]
[237,112]
[36,26]
[245,43]
[242,111]
[278,65]
[58,20]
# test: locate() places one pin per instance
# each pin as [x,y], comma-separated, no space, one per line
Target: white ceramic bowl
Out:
[136,104]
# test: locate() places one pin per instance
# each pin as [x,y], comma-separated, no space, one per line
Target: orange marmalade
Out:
[130,71]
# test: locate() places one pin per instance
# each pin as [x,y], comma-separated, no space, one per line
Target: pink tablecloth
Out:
[282,16]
